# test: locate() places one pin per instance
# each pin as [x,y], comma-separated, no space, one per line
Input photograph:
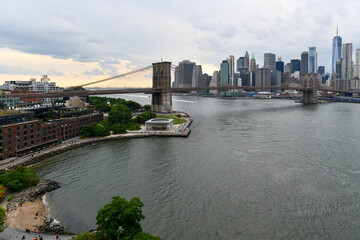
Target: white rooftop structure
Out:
[159,124]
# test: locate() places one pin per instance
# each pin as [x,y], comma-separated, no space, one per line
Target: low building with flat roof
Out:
[159,124]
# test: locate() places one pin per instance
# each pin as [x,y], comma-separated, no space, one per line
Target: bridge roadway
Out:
[55,94]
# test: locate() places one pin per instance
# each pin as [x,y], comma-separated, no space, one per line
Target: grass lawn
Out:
[177,120]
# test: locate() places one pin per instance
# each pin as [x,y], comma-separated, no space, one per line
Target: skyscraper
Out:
[240,64]
[346,62]
[336,51]
[295,65]
[287,68]
[312,64]
[185,73]
[196,74]
[246,64]
[338,68]
[304,63]
[269,61]
[252,64]
[357,64]
[231,70]
[224,73]
[280,65]
[263,77]
[215,82]
[321,70]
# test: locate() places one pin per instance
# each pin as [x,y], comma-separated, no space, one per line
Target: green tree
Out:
[120,217]
[118,128]
[142,118]
[19,179]
[101,131]
[119,114]
[2,219]
[147,107]
[95,130]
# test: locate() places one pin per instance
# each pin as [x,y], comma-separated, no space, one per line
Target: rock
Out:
[31,193]
[51,227]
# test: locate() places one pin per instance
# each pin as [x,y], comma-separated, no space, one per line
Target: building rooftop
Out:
[160,120]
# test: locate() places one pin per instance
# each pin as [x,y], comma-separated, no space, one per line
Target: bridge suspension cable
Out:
[117,76]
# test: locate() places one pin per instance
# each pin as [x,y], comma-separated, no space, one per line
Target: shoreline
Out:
[34,214]
[74,143]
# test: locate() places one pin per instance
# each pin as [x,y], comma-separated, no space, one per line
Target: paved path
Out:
[14,233]
[14,161]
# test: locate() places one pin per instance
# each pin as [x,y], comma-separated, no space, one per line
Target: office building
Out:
[280,65]
[263,77]
[321,70]
[336,51]
[240,64]
[215,82]
[357,64]
[346,61]
[275,78]
[338,69]
[185,73]
[176,77]
[231,70]
[295,65]
[312,60]
[224,73]
[288,68]
[304,63]
[247,62]
[269,61]
[252,64]
[196,74]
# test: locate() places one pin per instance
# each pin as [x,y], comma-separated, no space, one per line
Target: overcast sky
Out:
[79,41]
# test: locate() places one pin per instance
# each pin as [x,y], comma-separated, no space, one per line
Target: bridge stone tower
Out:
[162,101]
[311,82]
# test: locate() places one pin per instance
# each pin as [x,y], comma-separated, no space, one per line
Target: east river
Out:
[250,169]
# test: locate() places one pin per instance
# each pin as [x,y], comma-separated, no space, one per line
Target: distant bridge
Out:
[161,90]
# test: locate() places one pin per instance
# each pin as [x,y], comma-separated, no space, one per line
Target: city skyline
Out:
[78,42]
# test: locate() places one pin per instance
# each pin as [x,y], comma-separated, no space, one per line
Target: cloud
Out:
[16,70]
[95,72]
[54,72]
[102,35]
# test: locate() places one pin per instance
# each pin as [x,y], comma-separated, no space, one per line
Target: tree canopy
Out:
[120,219]
[119,113]
[19,179]
[2,219]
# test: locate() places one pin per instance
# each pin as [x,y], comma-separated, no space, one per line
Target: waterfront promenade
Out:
[181,130]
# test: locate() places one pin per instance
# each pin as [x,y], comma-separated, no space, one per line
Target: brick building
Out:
[31,135]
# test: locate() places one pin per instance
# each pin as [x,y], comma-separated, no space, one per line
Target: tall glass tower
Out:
[336,51]
[312,62]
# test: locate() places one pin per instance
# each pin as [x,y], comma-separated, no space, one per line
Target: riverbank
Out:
[27,211]
[181,130]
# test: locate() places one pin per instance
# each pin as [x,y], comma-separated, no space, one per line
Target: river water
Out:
[251,169]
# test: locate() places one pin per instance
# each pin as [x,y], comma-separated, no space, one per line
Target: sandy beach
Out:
[25,216]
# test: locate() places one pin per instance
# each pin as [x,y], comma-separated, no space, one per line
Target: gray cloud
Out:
[146,31]
[95,72]
[16,70]
[54,72]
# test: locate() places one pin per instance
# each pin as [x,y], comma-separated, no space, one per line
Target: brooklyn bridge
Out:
[161,89]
